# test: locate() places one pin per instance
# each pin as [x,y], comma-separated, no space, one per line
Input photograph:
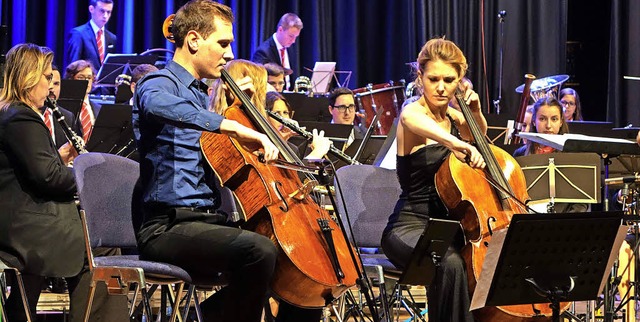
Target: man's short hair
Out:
[141,70]
[75,67]
[200,16]
[337,92]
[274,69]
[95,2]
[289,20]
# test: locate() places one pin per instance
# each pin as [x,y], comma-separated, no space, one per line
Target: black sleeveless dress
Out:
[448,294]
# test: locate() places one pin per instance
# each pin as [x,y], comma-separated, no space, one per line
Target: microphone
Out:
[622,180]
[502,14]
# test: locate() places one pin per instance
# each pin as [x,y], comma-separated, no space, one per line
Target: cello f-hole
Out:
[276,188]
[489,221]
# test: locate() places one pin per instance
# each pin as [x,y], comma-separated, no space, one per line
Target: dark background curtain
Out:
[376,39]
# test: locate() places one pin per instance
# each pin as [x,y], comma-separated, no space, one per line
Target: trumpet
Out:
[74,139]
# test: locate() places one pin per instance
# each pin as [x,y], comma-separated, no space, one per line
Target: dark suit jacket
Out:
[82,45]
[267,52]
[40,229]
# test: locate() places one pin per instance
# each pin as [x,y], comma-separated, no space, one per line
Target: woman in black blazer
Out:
[40,228]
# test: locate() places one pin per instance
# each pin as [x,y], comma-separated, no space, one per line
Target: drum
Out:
[371,98]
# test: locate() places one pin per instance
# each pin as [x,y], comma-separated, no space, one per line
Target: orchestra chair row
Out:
[105,188]
[365,197]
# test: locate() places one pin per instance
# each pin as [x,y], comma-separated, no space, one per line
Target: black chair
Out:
[370,194]
[105,189]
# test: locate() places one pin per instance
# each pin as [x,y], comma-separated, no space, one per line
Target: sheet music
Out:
[583,143]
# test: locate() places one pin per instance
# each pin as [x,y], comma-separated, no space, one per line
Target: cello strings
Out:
[495,184]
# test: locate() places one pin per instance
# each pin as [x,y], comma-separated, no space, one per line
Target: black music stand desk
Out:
[112,132]
[562,177]
[426,255]
[549,258]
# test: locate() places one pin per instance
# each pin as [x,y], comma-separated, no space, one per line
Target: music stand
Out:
[369,151]
[116,64]
[309,108]
[428,252]
[338,132]
[562,177]
[321,77]
[549,258]
[112,132]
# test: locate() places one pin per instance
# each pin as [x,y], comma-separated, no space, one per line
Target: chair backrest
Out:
[370,194]
[105,188]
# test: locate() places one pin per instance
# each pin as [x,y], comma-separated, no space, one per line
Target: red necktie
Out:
[48,121]
[85,121]
[100,45]
[282,56]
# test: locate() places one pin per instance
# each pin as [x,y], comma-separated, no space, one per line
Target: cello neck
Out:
[483,146]
[259,120]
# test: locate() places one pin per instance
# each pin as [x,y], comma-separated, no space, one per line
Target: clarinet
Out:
[309,136]
[73,138]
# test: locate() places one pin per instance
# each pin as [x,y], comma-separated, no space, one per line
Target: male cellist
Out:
[170,112]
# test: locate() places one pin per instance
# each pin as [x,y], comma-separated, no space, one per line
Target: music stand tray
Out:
[73,89]
[309,108]
[551,250]
[113,130]
[431,247]
[562,177]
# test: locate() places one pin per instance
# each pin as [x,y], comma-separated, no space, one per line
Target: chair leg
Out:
[197,306]
[92,292]
[187,301]
[23,294]
[176,303]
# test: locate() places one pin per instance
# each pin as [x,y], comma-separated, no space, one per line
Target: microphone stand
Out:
[496,103]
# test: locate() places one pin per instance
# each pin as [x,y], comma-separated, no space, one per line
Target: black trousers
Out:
[448,295]
[245,258]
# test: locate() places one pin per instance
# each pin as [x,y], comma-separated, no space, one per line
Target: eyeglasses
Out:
[274,84]
[344,108]
[48,77]
[84,77]
[568,103]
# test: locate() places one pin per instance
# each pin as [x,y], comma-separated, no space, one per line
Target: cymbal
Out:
[543,83]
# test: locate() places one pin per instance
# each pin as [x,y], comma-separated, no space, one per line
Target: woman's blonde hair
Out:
[237,69]
[25,65]
[443,50]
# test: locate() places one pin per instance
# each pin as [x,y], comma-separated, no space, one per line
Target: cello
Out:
[464,191]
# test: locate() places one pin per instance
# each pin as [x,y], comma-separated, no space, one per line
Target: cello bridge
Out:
[302,192]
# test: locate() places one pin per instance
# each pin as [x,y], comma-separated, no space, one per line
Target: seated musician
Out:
[428,131]
[343,111]
[570,102]
[86,118]
[40,229]
[278,104]
[181,225]
[547,117]
[275,76]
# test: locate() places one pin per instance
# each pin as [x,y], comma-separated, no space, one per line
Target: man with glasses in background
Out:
[343,111]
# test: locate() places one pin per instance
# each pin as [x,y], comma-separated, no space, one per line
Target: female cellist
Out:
[428,131]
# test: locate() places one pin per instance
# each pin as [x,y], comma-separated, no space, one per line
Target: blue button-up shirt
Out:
[169,115]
